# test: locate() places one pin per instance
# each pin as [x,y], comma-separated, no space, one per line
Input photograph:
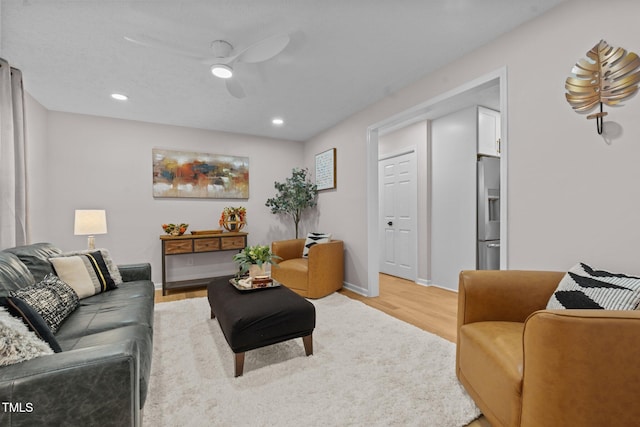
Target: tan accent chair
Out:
[527,366]
[314,277]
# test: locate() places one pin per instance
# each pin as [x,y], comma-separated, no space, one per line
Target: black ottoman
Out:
[257,318]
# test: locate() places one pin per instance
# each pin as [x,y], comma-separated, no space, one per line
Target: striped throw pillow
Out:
[314,239]
[586,288]
[87,274]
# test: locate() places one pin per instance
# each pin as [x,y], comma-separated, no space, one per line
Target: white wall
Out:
[101,163]
[453,196]
[571,196]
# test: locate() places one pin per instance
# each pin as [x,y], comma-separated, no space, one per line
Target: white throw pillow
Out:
[314,239]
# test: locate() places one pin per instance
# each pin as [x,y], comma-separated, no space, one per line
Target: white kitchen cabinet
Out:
[488,132]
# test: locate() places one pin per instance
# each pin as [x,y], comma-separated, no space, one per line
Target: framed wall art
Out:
[199,175]
[326,169]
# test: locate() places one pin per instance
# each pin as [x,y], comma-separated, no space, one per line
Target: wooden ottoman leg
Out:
[239,364]
[308,344]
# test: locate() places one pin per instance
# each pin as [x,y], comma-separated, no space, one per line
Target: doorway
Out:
[449,102]
[398,215]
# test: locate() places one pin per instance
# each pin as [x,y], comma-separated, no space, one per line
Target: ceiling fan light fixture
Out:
[277,121]
[119,96]
[222,71]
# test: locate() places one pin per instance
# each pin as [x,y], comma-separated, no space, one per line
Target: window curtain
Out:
[13,173]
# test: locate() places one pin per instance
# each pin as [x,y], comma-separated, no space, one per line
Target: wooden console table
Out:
[197,243]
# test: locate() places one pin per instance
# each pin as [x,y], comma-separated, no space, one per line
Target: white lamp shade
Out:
[90,222]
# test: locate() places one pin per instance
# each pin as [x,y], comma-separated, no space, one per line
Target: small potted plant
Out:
[254,259]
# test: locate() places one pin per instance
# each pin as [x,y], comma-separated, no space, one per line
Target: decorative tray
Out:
[206,232]
[244,284]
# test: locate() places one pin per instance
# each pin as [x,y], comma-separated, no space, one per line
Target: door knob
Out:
[390,223]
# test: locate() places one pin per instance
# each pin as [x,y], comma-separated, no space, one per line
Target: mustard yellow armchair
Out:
[314,277]
[527,366]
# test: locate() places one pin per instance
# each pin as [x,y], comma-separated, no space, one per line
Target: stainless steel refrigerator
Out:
[488,256]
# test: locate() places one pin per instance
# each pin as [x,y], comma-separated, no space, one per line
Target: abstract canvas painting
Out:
[200,175]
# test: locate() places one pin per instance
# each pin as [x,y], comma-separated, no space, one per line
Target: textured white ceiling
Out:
[343,56]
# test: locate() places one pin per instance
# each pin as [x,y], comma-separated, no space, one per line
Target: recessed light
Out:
[277,121]
[119,96]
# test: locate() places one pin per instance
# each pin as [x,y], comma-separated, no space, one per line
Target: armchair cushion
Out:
[585,288]
[314,239]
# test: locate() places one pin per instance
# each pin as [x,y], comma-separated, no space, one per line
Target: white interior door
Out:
[398,215]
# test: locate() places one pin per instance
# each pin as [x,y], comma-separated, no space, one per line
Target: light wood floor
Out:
[427,307]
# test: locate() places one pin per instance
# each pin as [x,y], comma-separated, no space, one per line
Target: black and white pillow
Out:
[30,317]
[87,274]
[53,299]
[314,239]
[17,342]
[586,288]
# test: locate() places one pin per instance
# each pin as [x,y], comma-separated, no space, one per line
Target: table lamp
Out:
[90,222]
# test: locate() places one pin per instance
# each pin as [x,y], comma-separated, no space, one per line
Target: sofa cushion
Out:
[127,305]
[314,239]
[87,274]
[20,309]
[53,299]
[36,258]
[17,342]
[13,273]
[114,271]
[586,288]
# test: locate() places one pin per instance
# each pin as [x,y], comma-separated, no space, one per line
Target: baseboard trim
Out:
[357,289]
[423,282]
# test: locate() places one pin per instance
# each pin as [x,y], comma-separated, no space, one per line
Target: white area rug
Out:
[368,369]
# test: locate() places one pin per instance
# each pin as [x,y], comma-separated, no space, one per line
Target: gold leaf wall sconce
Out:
[609,76]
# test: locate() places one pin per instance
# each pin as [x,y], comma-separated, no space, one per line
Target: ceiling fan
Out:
[222,57]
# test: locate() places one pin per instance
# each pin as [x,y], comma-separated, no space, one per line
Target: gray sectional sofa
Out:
[101,376]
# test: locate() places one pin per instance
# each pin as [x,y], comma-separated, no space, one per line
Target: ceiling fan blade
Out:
[264,49]
[235,88]
[165,46]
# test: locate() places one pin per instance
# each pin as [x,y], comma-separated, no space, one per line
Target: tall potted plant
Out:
[295,195]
